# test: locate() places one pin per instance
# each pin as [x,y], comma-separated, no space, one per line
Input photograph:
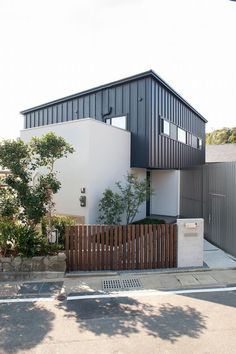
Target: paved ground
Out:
[187,323]
[91,284]
[215,258]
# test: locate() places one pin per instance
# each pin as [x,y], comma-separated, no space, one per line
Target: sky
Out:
[53,48]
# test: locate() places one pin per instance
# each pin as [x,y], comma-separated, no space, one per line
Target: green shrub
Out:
[28,242]
[7,234]
[150,221]
[110,208]
[51,249]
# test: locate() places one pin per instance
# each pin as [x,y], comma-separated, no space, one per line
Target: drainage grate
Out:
[121,284]
[131,283]
[112,284]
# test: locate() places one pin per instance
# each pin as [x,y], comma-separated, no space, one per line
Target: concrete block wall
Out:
[190,242]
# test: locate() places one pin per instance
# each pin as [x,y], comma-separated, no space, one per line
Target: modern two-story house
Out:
[137,124]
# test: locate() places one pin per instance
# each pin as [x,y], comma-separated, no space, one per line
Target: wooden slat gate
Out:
[120,247]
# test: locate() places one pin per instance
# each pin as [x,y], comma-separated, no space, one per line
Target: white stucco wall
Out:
[166,187]
[102,156]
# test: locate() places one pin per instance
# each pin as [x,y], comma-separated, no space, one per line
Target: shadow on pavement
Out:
[222,298]
[125,316]
[23,326]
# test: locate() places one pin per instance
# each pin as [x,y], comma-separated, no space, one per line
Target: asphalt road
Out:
[186,323]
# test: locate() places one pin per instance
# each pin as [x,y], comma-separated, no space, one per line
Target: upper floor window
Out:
[119,122]
[189,138]
[196,142]
[182,136]
[165,127]
[199,143]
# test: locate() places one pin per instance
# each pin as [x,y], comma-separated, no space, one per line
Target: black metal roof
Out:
[149,73]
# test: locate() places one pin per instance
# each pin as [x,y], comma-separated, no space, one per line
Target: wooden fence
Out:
[120,247]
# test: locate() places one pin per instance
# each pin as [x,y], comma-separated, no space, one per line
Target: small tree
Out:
[47,150]
[22,159]
[110,208]
[133,193]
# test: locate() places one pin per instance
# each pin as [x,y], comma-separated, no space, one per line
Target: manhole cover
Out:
[121,284]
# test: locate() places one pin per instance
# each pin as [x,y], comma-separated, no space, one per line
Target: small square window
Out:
[165,127]
[182,135]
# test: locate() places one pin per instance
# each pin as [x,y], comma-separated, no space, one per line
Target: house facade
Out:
[166,134]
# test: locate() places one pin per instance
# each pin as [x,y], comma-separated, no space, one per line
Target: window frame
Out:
[199,143]
[162,130]
[109,121]
[185,133]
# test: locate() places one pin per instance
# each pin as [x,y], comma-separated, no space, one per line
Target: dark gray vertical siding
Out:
[167,152]
[64,112]
[75,109]
[92,106]
[191,193]
[40,117]
[69,110]
[105,101]
[54,115]
[132,99]
[86,106]
[119,100]
[142,122]
[81,107]
[143,101]
[59,113]
[98,109]
[209,191]
[126,98]
[36,118]
[136,139]
[32,121]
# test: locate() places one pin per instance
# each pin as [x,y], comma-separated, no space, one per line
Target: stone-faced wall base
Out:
[26,266]
[24,276]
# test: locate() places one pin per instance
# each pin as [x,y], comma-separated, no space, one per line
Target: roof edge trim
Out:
[149,73]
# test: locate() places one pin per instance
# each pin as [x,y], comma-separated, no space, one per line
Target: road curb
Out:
[142,272]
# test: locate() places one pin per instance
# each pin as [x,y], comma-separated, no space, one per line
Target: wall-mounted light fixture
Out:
[82,200]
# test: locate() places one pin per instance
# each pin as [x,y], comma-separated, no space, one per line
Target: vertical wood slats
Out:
[120,247]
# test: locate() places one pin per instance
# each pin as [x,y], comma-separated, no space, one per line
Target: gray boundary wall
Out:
[209,191]
[190,242]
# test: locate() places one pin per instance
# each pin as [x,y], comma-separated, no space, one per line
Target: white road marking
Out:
[149,293]
[36,299]
[122,294]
